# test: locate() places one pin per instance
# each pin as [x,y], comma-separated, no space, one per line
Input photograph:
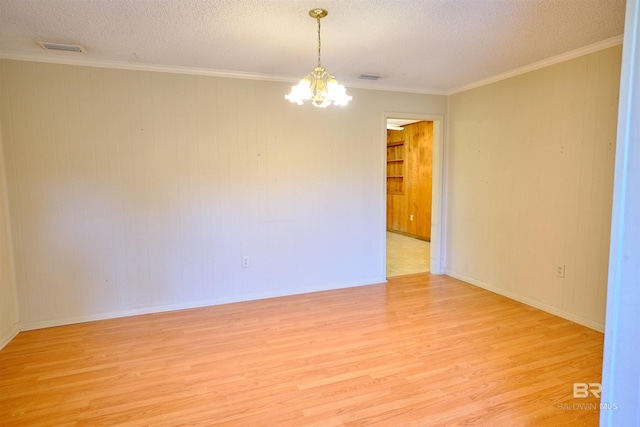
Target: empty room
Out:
[196,197]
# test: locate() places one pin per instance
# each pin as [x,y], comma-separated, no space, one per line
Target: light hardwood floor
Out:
[422,350]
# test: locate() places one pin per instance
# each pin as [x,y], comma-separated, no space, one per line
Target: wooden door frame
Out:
[437,258]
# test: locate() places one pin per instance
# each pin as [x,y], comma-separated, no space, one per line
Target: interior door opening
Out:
[412,224]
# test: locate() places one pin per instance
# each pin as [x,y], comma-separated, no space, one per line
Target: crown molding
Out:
[69,60]
[121,65]
[605,44]
[375,86]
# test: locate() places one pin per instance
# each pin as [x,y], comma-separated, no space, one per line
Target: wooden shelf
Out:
[395,167]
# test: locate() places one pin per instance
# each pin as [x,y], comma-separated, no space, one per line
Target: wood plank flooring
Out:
[422,350]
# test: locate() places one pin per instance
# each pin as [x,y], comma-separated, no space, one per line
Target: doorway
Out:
[413,193]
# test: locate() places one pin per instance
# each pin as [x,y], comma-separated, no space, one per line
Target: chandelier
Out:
[319,86]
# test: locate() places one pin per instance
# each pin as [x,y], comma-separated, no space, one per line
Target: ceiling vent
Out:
[367,76]
[60,47]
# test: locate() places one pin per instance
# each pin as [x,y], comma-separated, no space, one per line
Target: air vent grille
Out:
[61,47]
[367,76]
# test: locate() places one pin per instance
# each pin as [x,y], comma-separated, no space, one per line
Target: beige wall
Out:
[135,191]
[8,302]
[530,178]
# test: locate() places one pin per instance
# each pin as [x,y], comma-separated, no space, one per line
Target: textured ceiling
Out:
[416,45]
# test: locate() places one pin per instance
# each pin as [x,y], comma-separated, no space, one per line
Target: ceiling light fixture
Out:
[319,86]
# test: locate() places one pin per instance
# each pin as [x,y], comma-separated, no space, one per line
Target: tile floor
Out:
[406,255]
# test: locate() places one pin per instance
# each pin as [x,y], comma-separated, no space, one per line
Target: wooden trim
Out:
[8,335]
[402,233]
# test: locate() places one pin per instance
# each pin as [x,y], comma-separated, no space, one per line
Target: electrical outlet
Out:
[410,217]
[560,270]
[245,262]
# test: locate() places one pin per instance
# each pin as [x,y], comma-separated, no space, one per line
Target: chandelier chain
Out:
[318,19]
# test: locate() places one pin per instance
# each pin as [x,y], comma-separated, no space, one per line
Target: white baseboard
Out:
[8,335]
[48,323]
[531,302]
